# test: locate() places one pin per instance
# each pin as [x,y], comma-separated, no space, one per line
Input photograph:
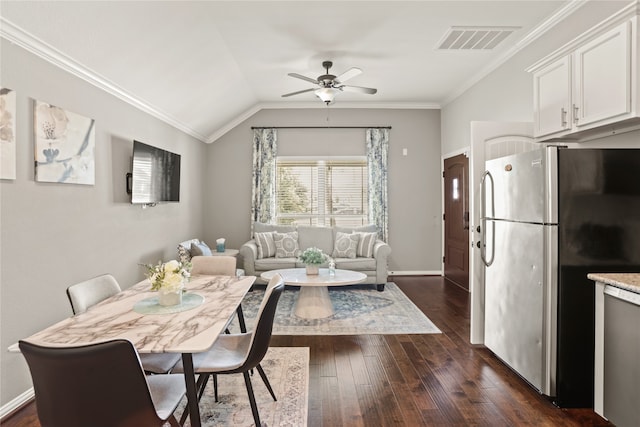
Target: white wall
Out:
[54,235]
[507,93]
[414,180]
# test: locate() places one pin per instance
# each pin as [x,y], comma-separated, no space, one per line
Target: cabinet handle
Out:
[575,113]
[563,117]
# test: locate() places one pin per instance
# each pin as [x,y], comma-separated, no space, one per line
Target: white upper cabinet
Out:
[590,85]
[552,98]
[602,73]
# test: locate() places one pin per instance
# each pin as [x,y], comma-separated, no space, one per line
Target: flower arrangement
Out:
[168,276]
[313,256]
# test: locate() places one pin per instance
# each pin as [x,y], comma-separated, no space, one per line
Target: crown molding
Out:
[624,14]
[529,38]
[34,45]
[29,42]
[315,105]
[353,104]
[233,123]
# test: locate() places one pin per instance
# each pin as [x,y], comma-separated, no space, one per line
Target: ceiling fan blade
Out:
[298,92]
[305,78]
[359,89]
[350,73]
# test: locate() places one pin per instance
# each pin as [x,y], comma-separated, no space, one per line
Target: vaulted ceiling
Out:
[203,66]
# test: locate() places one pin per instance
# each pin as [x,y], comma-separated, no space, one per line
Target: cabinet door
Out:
[552,98]
[603,77]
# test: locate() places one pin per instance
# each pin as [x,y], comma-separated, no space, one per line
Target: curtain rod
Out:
[320,127]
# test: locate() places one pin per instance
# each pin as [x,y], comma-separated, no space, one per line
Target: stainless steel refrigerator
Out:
[550,217]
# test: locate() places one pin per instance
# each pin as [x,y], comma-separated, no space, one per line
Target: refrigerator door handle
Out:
[483,216]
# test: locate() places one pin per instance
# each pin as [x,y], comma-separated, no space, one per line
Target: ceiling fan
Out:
[329,85]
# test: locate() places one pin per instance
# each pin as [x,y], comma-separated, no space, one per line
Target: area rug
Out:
[287,369]
[359,310]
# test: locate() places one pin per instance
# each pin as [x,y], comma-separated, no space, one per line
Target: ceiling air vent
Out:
[474,38]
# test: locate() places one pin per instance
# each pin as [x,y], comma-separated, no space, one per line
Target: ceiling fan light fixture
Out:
[328,85]
[326,94]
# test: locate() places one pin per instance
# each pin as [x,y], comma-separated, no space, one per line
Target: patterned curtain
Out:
[377,154]
[265,145]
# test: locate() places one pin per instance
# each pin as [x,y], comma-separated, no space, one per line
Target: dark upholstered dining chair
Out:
[86,294]
[99,385]
[240,353]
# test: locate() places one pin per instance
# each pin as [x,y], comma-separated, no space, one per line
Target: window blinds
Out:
[322,192]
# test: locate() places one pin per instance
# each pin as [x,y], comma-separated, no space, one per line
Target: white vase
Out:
[312,269]
[169,298]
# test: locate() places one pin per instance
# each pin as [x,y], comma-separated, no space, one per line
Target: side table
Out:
[227,252]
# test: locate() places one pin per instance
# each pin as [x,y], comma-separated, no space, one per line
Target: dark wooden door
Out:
[456,220]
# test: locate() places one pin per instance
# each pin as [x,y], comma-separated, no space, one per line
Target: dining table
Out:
[208,304]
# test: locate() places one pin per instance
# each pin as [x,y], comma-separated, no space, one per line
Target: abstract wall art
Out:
[64,145]
[7,134]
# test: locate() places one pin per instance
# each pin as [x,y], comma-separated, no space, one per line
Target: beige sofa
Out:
[257,260]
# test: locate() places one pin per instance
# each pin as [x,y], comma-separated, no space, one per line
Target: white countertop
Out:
[628,281]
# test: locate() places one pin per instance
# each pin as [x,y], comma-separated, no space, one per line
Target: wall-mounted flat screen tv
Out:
[155,175]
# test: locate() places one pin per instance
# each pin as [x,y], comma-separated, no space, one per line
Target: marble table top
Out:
[299,277]
[190,331]
[628,281]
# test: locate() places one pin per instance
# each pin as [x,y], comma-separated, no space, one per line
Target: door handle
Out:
[483,198]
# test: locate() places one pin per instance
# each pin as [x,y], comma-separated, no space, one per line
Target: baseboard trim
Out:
[10,407]
[416,273]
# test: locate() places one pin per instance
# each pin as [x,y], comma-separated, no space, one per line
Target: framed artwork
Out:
[7,134]
[64,145]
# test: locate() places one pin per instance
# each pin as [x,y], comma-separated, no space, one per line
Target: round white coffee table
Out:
[313,300]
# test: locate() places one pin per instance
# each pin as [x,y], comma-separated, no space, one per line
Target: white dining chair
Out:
[214,265]
[240,353]
[218,266]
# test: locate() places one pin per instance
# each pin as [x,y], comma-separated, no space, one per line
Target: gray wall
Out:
[506,95]
[54,235]
[414,180]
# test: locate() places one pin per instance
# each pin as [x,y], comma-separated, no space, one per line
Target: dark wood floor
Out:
[413,380]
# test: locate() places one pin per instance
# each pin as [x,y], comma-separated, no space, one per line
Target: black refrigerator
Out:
[598,231]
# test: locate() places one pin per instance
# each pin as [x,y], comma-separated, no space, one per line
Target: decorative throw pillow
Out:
[184,254]
[286,244]
[345,245]
[199,249]
[265,243]
[366,244]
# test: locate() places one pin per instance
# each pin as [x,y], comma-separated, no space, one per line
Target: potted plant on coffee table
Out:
[312,258]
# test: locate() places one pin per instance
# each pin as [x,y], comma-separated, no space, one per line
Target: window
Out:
[322,192]
[456,190]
